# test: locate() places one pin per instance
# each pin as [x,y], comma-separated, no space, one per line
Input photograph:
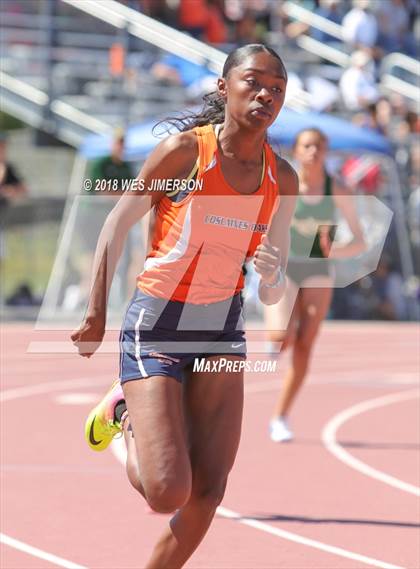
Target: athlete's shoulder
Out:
[181,145]
[175,154]
[287,177]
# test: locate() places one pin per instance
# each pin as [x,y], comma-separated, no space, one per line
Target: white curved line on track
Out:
[119,451]
[28,391]
[118,448]
[35,552]
[329,438]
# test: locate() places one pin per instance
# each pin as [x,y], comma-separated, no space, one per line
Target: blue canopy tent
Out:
[140,141]
[342,135]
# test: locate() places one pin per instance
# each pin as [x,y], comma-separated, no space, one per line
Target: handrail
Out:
[153,32]
[399,86]
[400,60]
[58,108]
[104,13]
[76,116]
[314,20]
[311,45]
[23,89]
[161,35]
[322,50]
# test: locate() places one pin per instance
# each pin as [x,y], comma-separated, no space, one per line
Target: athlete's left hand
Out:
[267,261]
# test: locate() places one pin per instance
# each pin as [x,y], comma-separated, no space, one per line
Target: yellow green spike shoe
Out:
[101,425]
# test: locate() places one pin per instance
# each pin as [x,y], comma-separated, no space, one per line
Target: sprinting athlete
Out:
[295,321]
[182,427]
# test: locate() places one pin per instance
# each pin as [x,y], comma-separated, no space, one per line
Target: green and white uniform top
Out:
[304,229]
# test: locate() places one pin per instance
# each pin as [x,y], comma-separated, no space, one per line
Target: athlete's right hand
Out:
[89,336]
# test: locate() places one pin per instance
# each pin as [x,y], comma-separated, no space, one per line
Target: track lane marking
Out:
[278,532]
[27,391]
[39,553]
[118,448]
[329,438]
[47,387]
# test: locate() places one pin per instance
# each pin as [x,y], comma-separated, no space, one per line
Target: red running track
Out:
[288,506]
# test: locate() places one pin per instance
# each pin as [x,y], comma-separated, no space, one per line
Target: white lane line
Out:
[345,380]
[35,552]
[304,540]
[27,391]
[118,448]
[40,388]
[75,398]
[329,438]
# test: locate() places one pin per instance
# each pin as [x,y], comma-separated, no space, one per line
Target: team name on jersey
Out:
[234,223]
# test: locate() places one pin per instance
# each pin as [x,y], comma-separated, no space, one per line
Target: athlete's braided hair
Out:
[213,111]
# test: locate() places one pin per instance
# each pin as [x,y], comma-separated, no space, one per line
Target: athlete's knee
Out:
[134,477]
[280,338]
[209,496]
[303,344]
[166,497]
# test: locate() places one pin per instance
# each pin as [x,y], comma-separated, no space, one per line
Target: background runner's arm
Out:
[345,201]
[275,253]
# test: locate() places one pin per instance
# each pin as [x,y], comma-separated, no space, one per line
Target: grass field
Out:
[29,253]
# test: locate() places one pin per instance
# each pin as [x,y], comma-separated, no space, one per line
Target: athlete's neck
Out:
[243,146]
[312,178]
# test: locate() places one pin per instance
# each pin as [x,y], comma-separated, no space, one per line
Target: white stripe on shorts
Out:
[137,343]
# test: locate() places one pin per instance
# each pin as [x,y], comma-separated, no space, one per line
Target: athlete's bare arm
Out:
[273,252]
[345,201]
[173,158]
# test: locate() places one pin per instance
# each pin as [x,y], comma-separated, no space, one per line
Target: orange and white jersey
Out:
[201,242]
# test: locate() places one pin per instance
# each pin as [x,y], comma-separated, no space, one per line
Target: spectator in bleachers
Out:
[409,127]
[330,9]
[174,70]
[246,30]
[387,294]
[294,28]
[12,187]
[371,118]
[249,20]
[413,215]
[216,30]
[394,23]
[193,17]
[384,114]
[414,162]
[357,84]
[157,9]
[113,167]
[360,27]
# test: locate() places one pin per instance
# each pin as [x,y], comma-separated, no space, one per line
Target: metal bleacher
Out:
[398,72]
[55,65]
[55,75]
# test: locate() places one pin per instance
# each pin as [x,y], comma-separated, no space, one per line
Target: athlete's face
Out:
[310,149]
[254,91]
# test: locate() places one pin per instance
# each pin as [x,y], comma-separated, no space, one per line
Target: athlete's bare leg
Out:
[281,319]
[313,306]
[213,406]
[158,464]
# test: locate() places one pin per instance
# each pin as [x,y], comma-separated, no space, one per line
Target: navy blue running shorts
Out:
[161,337]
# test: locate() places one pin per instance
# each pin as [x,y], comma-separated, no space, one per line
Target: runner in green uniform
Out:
[296,319]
